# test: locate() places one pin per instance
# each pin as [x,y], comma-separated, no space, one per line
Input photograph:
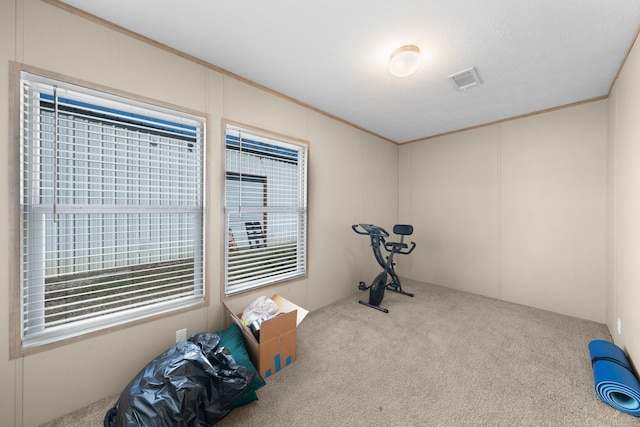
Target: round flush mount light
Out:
[404,61]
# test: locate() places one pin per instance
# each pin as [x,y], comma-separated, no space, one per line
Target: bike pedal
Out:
[362,286]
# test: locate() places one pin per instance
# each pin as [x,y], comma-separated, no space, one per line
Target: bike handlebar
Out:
[370,230]
[375,231]
[413,246]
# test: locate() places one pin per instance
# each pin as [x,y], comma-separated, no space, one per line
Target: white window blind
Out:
[111,210]
[265,210]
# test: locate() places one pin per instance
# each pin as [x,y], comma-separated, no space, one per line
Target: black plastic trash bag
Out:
[194,383]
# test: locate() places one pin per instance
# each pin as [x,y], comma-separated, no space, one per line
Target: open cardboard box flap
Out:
[286,306]
[277,346]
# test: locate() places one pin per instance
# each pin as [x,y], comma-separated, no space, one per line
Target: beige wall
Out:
[449,192]
[9,370]
[553,211]
[515,210]
[623,296]
[342,191]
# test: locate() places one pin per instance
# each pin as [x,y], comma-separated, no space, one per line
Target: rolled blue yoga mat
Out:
[615,382]
[605,350]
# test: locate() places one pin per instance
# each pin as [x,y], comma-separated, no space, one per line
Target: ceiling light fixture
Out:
[404,61]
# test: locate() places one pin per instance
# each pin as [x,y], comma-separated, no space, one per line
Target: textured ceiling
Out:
[332,54]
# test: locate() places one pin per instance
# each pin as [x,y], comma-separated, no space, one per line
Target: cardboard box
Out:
[278,336]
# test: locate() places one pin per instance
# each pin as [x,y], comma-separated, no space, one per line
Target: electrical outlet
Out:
[619,326]
[181,335]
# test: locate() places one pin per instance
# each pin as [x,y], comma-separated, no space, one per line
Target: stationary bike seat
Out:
[403,229]
[397,245]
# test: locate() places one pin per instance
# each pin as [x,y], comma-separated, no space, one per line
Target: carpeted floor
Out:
[443,358]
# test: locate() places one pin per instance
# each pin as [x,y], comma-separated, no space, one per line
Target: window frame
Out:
[17,320]
[229,240]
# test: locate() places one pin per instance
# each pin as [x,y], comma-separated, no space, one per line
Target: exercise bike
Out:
[379,284]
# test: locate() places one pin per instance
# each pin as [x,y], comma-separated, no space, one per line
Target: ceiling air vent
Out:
[465,78]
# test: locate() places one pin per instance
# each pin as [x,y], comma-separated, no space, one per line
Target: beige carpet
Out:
[443,358]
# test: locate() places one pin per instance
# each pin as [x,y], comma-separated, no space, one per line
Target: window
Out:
[265,209]
[111,210]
